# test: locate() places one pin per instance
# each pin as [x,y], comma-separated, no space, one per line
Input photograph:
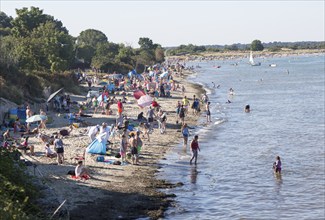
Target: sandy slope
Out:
[116,191]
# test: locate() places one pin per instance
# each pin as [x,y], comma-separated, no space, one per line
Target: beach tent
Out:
[132,73]
[144,101]
[98,146]
[110,87]
[138,93]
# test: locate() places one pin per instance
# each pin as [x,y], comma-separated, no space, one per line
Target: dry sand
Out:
[115,191]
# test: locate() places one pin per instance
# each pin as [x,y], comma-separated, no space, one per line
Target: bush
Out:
[17,192]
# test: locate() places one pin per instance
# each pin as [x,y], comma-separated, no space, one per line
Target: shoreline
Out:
[245,54]
[115,192]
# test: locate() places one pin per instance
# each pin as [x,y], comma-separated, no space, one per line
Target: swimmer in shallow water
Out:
[247,109]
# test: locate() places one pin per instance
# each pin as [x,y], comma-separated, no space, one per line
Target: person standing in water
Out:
[195,148]
[277,165]
[207,107]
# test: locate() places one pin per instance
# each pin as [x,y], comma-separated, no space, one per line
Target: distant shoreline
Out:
[245,54]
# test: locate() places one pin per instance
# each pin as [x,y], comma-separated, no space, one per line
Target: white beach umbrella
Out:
[36,118]
[144,101]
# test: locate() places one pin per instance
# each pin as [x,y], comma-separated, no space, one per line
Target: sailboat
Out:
[252,62]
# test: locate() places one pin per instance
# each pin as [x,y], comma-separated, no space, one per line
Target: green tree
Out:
[126,55]
[146,43]
[8,55]
[27,20]
[257,45]
[159,55]
[91,37]
[5,24]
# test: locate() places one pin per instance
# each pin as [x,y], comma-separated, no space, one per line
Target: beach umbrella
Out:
[144,101]
[164,74]
[36,118]
[53,95]
[92,94]
[138,93]
[116,76]
[102,83]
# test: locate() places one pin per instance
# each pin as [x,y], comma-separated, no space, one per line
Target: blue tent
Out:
[110,87]
[96,147]
[132,73]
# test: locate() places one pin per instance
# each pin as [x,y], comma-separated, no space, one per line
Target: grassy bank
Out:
[18,86]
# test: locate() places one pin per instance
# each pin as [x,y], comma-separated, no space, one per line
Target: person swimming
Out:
[277,165]
[247,109]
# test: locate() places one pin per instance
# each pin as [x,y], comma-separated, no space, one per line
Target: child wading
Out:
[194,147]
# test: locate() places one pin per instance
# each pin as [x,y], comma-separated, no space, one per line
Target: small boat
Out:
[252,62]
[272,65]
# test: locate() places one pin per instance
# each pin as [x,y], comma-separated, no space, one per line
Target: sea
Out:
[233,178]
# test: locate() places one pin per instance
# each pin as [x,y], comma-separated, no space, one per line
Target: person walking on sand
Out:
[58,146]
[185,133]
[119,107]
[195,148]
[207,108]
[123,148]
[134,149]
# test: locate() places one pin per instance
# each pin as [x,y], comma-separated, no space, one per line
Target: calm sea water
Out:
[234,177]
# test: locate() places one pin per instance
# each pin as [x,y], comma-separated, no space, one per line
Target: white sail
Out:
[251,60]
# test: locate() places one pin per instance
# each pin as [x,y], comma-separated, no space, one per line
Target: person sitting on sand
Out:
[18,127]
[48,152]
[81,171]
[25,146]
[45,138]
[141,117]
[65,132]
[31,132]
[81,113]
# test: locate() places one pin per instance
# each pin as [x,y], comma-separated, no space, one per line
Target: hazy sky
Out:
[171,23]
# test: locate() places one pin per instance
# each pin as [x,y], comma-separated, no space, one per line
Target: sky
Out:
[172,23]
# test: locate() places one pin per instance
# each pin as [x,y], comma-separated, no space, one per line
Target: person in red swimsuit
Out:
[195,148]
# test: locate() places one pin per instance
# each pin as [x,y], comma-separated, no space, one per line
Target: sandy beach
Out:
[114,191]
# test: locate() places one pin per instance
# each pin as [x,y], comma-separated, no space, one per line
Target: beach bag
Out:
[100,159]
[117,162]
